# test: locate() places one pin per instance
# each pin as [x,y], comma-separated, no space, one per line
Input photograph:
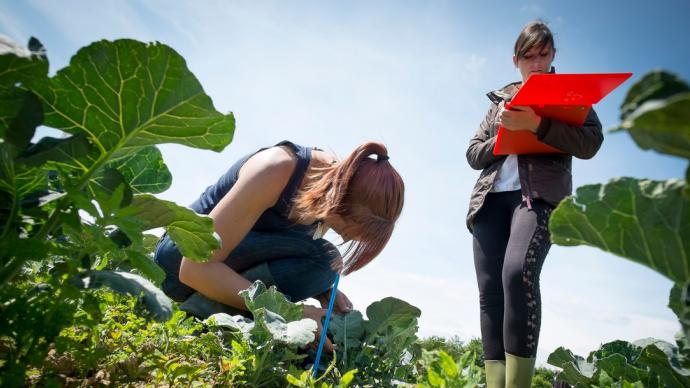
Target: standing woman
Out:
[271,209]
[509,213]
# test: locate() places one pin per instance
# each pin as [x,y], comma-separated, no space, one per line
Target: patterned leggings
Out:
[511,240]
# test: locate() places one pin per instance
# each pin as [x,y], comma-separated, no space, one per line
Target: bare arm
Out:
[260,183]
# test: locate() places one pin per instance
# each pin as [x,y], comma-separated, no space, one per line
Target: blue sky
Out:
[413,75]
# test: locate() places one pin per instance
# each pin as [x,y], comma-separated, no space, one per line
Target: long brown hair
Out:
[535,34]
[362,189]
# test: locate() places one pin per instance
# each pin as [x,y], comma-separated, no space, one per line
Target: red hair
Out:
[364,190]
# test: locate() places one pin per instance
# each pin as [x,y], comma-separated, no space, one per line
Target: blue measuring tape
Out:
[331,302]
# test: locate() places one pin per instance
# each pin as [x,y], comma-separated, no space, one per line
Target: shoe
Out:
[202,307]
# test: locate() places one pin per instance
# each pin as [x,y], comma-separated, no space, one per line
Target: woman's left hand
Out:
[342,304]
[316,314]
[519,118]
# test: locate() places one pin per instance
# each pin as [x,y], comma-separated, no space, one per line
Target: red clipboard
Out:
[566,97]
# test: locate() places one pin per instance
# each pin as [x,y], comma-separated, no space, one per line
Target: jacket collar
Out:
[504,94]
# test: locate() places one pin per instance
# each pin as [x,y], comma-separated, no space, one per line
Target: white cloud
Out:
[449,306]
[475,63]
[176,22]
[8,45]
[582,331]
[84,22]
[532,8]
[13,27]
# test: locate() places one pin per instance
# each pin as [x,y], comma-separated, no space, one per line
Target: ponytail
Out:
[363,189]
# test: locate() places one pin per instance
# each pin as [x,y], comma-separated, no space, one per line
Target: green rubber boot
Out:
[495,373]
[519,371]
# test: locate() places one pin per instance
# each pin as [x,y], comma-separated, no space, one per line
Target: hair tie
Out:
[381,158]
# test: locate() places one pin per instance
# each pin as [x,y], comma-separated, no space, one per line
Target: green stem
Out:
[10,218]
[259,366]
[49,225]
[9,271]
[167,340]
[49,318]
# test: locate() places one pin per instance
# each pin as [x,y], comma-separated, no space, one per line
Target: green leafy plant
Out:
[652,363]
[73,209]
[273,338]
[638,219]
[642,220]
[441,370]
[455,347]
[381,348]
[305,378]
[121,348]
[543,378]
[380,351]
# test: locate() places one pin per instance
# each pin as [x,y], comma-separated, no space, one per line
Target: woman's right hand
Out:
[342,304]
[519,118]
[316,314]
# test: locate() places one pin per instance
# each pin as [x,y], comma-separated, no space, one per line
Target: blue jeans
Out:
[299,266]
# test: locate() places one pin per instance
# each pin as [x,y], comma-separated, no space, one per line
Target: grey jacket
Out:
[545,176]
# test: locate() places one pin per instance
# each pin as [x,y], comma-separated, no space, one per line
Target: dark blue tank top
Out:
[274,218]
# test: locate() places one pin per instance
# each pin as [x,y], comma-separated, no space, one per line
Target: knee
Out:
[167,256]
[489,299]
[302,278]
[322,283]
[324,275]
[513,278]
[329,253]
